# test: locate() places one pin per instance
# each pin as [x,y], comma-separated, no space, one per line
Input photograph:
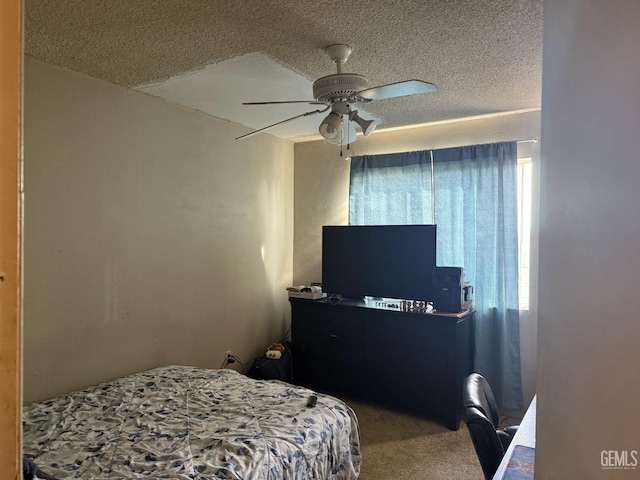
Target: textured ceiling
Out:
[485,56]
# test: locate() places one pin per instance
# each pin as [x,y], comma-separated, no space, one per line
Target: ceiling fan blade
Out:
[399,89]
[313,112]
[310,102]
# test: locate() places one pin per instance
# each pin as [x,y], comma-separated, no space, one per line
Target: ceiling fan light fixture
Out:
[367,126]
[341,90]
[331,128]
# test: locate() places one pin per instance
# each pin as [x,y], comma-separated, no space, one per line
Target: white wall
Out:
[589,331]
[151,236]
[322,194]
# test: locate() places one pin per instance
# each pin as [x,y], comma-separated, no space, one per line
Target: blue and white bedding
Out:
[187,423]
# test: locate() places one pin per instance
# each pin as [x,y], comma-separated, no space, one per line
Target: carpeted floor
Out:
[397,445]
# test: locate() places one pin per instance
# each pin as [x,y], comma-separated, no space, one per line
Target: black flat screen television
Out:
[389,261]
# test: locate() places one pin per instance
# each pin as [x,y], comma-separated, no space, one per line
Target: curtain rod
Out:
[528,140]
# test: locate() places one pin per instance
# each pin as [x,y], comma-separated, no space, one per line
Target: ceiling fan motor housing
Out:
[339,86]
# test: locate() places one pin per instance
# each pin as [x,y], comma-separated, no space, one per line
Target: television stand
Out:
[413,361]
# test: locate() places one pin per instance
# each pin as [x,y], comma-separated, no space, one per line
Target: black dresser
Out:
[412,361]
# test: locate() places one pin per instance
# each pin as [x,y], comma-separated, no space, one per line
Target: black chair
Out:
[480,413]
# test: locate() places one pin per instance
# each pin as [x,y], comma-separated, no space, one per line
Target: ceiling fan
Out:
[338,92]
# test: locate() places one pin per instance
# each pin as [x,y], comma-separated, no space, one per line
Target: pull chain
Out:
[341,128]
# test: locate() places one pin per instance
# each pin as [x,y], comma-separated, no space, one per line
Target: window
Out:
[401,186]
[524,231]
[475,198]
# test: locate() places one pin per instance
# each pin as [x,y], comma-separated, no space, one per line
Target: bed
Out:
[188,423]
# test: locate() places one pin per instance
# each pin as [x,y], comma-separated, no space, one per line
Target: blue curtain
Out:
[390,189]
[474,194]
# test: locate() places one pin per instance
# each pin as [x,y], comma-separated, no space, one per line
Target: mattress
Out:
[188,423]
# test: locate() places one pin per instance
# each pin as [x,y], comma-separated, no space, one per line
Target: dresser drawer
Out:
[328,319]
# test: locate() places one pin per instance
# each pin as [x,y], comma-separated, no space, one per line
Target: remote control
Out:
[312,401]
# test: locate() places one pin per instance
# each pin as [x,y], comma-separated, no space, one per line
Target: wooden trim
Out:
[10,238]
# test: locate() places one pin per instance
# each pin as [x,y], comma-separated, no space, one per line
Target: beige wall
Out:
[589,332]
[151,236]
[322,193]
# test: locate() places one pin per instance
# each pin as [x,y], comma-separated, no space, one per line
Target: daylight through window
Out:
[524,231]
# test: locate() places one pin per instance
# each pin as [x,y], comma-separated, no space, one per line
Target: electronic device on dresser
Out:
[448,289]
[385,261]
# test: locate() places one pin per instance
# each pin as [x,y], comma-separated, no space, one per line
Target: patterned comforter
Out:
[188,423]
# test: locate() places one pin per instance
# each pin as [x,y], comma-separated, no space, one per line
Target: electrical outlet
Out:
[230,358]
